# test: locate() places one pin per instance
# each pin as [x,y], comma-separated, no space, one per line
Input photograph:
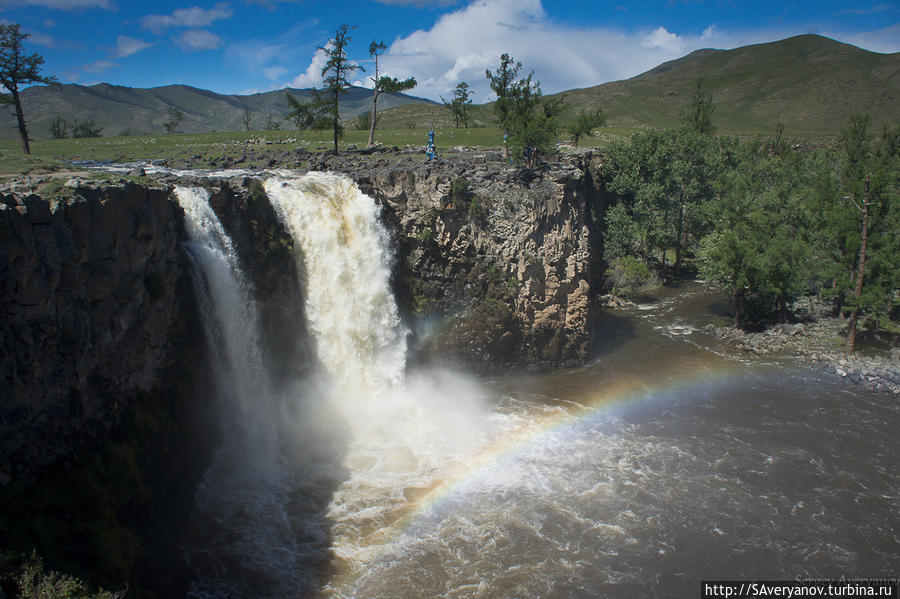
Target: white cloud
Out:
[313,75]
[33,36]
[194,40]
[58,4]
[99,66]
[885,40]
[663,40]
[420,3]
[463,43]
[187,17]
[253,55]
[126,46]
[866,11]
[276,56]
[41,39]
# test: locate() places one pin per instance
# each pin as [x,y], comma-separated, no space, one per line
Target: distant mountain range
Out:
[810,83]
[119,109]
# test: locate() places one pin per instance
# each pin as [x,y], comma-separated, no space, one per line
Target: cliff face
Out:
[504,257]
[91,288]
[106,420]
[266,251]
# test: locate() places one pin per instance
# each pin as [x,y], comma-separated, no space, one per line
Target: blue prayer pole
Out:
[429,147]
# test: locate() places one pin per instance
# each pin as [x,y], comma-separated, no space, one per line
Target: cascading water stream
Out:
[403,429]
[345,256]
[230,318]
[243,494]
[327,463]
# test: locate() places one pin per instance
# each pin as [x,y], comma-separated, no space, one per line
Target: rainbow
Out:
[567,422]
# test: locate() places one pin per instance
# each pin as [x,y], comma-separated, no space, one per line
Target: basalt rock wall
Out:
[496,265]
[103,360]
[107,417]
[92,287]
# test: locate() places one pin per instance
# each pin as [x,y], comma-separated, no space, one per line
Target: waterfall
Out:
[427,484]
[403,430]
[345,256]
[230,318]
[309,474]
[243,495]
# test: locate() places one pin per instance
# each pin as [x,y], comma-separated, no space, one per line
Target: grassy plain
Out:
[49,155]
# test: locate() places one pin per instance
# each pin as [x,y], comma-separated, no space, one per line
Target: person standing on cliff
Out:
[429,147]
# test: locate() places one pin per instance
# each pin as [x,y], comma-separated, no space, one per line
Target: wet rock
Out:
[819,341]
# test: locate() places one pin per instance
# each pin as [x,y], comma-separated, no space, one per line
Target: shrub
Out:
[628,274]
[34,581]
[459,192]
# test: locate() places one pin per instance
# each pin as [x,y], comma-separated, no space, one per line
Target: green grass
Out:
[55,155]
[144,111]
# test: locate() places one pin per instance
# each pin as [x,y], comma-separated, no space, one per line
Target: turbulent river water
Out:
[664,461]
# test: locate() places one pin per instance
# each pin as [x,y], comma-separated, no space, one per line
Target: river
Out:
[663,462]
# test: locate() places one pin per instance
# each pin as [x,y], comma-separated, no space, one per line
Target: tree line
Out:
[769,221]
[529,120]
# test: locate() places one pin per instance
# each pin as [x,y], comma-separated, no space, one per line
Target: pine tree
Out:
[315,114]
[16,70]
[59,128]
[175,118]
[335,73]
[585,123]
[502,82]
[381,85]
[699,116]
[458,106]
[528,120]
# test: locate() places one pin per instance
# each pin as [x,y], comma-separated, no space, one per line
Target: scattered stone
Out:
[616,303]
[820,341]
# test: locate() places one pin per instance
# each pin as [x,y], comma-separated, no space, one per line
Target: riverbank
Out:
[818,339]
[822,342]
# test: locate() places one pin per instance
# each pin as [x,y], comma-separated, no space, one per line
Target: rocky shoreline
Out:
[819,342]
[817,339]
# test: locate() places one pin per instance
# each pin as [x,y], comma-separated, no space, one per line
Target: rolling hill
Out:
[118,109]
[809,83]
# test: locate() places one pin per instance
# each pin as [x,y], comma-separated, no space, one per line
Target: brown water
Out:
[663,462]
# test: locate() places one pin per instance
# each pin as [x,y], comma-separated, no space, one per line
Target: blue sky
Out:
[246,46]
